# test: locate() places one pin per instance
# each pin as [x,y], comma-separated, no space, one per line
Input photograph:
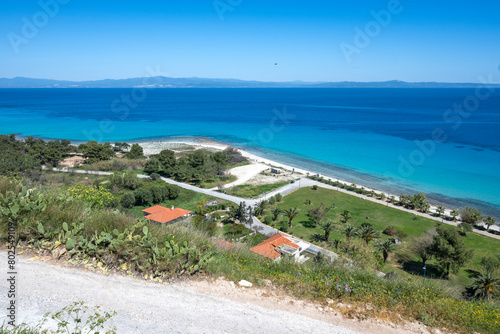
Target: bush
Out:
[128,200]
[116,164]
[389,230]
[268,220]
[127,180]
[400,234]
[278,197]
[95,196]
[155,176]
[143,197]
[272,200]
[470,215]
[315,187]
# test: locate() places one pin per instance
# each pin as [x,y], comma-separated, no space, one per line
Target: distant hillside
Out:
[166,82]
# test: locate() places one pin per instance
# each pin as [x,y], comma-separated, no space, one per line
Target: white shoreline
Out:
[154,147]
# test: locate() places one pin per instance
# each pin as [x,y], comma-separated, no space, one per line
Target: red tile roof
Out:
[267,248]
[154,209]
[164,215]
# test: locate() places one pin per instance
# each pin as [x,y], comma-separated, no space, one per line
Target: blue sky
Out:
[447,41]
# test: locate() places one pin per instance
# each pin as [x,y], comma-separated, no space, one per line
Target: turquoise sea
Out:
[443,142]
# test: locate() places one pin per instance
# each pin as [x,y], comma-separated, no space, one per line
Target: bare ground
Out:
[202,306]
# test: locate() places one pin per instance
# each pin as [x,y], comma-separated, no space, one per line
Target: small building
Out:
[162,215]
[275,171]
[279,246]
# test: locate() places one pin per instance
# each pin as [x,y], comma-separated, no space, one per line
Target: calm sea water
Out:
[397,140]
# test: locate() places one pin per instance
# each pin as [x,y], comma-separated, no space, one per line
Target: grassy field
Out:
[380,216]
[251,191]
[367,295]
[187,200]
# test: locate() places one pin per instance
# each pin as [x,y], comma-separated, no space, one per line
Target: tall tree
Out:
[95,152]
[167,161]
[422,246]
[291,213]
[386,247]
[136,152]
[318,214]
[276,211]
[327,226]
[488,221]
[454,214]
[261,207]
[450,250]
[470,215]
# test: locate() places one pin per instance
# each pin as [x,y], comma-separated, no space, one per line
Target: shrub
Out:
[389,230]
[143,197]
[470,215]
[95,196]
[155,176]
[315,187]
[128,200]
[278,197]
[400,234]
[272,200]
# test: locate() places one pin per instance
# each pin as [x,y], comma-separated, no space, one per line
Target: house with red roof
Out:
[278,246]
[162,215]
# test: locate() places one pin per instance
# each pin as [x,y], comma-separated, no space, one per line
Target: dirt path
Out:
[190,307]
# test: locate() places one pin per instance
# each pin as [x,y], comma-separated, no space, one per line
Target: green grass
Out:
[212,183]
[239,164]
[380,217]
[251,191]
[69,179]
[187,200]
[390,299]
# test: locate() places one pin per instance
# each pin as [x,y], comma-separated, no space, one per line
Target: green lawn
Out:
[212,183]
[251,191]
[187,200]
[380,217]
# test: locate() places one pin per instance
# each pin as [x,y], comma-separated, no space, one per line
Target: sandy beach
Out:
[155,147]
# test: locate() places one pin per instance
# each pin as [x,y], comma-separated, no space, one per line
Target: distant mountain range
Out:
[166,82]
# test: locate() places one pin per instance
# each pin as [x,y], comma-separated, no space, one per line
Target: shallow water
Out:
[397,140]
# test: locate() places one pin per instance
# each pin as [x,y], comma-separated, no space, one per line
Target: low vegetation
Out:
[95,221]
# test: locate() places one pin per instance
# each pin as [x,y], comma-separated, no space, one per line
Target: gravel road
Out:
[144,307]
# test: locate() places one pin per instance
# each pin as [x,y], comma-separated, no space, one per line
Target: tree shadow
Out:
[416,268]
[472,273]
[308,223]
[318,237]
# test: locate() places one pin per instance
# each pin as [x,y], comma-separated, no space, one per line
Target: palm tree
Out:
[367,233]
[454,214]
[276,212]
[484,285]
[345,217]
[291,214]
[489,221]
[440,210]
[327,226]
[385,246]
[261,207]
[349,231]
